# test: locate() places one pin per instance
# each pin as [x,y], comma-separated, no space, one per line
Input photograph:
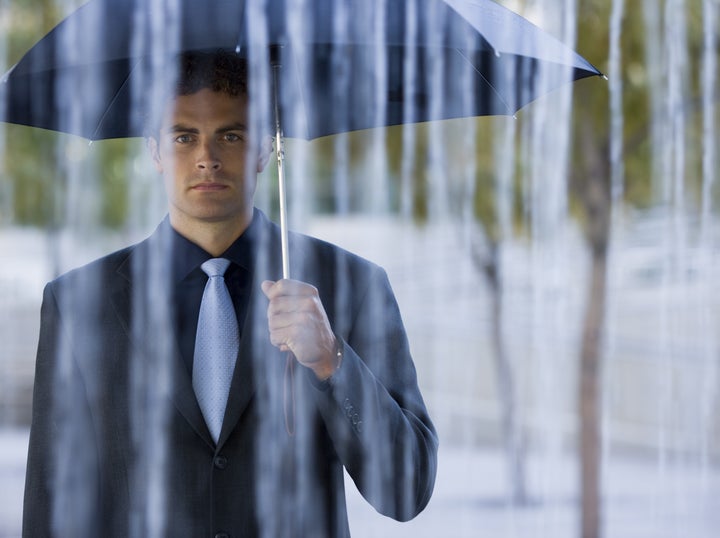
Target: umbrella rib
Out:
[503,101]
[114,99]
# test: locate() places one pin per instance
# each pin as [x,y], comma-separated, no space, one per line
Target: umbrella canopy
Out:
[345,64]
[337,65]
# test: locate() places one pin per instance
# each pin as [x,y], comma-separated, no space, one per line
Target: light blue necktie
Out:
[216,346]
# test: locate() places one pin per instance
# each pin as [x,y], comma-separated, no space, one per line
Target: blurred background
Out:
[556,271]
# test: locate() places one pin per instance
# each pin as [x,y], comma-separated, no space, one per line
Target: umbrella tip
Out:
[603,75]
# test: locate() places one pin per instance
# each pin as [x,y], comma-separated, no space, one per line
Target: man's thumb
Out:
[266,285]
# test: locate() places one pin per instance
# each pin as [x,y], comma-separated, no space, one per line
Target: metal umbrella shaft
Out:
[289,376]
[280,154]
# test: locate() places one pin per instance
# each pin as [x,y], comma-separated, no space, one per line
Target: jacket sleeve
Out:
[57,478]
[374,411]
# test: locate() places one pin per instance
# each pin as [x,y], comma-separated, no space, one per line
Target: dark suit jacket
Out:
[118,445]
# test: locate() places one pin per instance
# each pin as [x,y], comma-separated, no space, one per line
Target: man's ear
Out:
[264,152]
[154,149]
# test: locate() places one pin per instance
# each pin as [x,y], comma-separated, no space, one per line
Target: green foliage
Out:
[34,181]
[33,174]
[35,186]
[592,107]
[114,158]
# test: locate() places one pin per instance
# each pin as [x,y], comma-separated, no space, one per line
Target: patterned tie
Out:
[216,346]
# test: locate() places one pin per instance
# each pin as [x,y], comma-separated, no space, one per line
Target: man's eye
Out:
[183,139]
[232,137]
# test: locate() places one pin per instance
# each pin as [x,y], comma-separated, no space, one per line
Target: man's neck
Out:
[213,237]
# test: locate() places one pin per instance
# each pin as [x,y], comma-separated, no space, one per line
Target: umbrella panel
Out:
[422,60]
[91,101]
[343,88]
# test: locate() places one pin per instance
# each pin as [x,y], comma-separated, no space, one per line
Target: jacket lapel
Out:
[182,393]
[259,362]
[242,387]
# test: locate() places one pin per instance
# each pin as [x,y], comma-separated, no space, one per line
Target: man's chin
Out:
[212,214]
[220,217]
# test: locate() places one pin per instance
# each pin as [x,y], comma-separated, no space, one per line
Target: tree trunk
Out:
[489,266]
[595,193]
[589,398]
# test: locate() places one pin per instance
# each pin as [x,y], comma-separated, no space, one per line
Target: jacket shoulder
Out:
[312,257]
[104,269]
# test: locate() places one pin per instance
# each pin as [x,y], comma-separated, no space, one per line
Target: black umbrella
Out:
[337,65]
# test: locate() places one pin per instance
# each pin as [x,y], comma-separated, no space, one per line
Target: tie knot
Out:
[215,267]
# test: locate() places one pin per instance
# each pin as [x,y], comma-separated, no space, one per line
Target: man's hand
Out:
[298,323]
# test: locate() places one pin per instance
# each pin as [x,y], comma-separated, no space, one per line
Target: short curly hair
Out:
[219,71]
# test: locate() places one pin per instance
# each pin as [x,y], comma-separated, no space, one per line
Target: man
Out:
[123,440]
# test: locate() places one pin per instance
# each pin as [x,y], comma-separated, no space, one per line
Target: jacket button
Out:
[222,535]
[220,462]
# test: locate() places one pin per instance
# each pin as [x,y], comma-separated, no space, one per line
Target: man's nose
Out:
[207,158]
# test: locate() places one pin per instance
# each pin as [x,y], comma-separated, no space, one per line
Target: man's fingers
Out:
[287,287]
[266,287]
[279,337]
[298,323]
[285,319]
[289,305]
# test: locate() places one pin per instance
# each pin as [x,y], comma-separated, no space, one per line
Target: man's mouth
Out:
[209,186]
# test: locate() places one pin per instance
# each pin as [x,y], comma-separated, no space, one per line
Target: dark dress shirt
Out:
[188,280]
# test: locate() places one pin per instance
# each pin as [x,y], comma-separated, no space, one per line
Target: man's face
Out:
[202,154]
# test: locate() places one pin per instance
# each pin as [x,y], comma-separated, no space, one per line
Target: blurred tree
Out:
[593,195]
[33,172]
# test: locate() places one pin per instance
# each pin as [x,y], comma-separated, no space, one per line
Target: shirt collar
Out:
[186,256]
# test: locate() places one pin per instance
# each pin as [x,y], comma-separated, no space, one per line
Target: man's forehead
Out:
[203,104]
[220,128]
